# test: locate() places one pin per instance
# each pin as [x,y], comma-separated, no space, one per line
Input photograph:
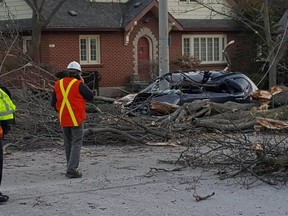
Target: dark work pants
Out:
[73,138]
[1,159]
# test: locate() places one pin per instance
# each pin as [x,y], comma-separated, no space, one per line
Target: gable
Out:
[153,7]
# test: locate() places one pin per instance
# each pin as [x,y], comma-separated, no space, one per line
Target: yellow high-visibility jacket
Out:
[7,107]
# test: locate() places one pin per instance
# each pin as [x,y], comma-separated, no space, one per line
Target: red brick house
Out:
[119,39]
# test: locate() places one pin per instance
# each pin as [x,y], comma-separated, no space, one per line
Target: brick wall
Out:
[58,49]
[117,59]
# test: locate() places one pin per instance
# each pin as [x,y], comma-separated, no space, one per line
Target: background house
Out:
[119,39]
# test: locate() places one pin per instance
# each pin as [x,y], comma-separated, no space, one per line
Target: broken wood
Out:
[202,108]
[233,121]
[164,108]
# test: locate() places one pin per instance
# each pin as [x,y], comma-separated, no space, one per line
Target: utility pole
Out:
[163,39]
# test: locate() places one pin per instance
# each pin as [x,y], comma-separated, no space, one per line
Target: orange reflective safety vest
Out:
[70,104]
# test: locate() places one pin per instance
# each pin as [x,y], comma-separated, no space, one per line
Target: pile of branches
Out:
[236,139]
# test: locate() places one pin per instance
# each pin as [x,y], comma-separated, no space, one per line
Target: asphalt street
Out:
[127,181]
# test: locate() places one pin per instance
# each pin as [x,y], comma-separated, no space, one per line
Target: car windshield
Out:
[157,87]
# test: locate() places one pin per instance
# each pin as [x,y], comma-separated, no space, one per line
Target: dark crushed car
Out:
[184,87]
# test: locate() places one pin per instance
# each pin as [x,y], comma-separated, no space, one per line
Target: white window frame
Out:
[88,50]
[187,1]
[222,42]
[26,40]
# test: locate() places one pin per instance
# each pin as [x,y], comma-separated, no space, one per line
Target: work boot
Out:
[3,198]
[74,174]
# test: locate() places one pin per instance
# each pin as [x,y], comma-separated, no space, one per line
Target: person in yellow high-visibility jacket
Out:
[7,109]
[69,100]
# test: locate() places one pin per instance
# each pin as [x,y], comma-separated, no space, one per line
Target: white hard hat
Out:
[74,65]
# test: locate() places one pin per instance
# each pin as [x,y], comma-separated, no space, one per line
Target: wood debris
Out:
[272,123]
[163,107]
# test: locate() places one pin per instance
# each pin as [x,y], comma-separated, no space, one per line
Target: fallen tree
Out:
[245,119]
[217,136]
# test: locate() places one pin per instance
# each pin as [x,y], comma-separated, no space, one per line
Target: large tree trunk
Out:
[229,116]
[38,23]
[33,51]
[243,120]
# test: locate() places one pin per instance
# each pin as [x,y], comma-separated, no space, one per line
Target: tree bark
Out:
[240,120]
[38,23]
[33,51]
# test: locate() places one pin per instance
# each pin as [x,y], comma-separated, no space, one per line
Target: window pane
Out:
[83,49]
[223,46]
[216,49]
[28,44]
[203,49]
[210,49]
[196,48]
[186,46]
[242,82]
[207,48]
[93,50]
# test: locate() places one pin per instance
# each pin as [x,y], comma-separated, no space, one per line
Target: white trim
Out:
[88,53]
[153,44]
[25,39]
[222,42]
[187,1]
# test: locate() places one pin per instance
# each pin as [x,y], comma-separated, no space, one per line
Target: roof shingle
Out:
[94,15]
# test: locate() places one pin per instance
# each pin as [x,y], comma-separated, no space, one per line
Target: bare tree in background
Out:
[10,49]
[261,17]
[39,21]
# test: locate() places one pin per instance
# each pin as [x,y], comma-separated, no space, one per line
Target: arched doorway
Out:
[143,54]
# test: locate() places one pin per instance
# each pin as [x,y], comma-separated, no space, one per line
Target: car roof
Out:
[197,76]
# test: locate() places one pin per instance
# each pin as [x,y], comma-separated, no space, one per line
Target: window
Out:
[260,53]
[243,83]
[186,47]
[27,40]
[187,1]
[207,48]
[89,49]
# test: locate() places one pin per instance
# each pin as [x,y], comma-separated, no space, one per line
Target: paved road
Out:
[116,181]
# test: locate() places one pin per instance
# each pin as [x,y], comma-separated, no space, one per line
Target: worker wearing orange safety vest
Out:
[69,100]
[7,109]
